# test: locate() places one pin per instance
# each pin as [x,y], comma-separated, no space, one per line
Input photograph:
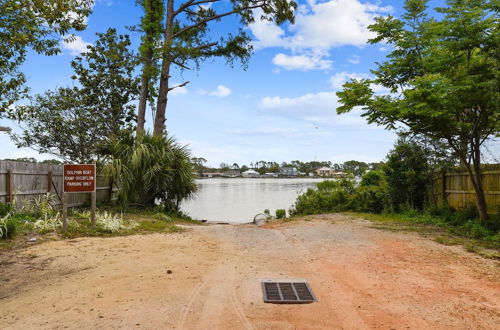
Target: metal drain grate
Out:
[287,293]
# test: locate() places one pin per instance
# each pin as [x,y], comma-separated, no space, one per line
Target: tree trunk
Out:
[161,107]
[143,100]
[475,176]
[147,69]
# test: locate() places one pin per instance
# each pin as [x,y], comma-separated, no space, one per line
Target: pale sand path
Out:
[363,278]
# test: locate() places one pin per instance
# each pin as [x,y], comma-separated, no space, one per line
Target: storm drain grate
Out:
[287,293]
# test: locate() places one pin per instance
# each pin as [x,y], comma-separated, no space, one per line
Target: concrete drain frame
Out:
[287,291]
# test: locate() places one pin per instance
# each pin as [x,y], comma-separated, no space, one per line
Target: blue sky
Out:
[281,108]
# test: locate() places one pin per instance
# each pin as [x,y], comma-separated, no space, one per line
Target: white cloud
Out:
[221,91]
[335,23]
[337,80]
[107,3]
[354,59]
[229,153]
[267,34]
[301,62]
[75,46]
[383,49]
[279,131]
[321,26]
[179,91]
[323,100]
[318,108]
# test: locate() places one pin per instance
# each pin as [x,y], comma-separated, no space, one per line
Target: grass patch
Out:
[111,222]
[448,240]
[471,235]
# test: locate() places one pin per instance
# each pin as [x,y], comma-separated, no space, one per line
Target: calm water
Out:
[239,200]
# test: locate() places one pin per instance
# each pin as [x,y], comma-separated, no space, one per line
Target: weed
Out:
[471,247]
[445,240]
[163,217]
[280,214]
[8,226]
[5,208]
[113,223]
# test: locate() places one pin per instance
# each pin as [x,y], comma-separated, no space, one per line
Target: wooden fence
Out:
[455,188]
[23,182]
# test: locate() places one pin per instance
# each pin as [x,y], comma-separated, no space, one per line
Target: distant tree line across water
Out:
[354,167]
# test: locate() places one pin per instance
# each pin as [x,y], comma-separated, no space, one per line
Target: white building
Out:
[250,174]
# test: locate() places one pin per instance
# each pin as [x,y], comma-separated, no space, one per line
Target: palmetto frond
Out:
[152,169]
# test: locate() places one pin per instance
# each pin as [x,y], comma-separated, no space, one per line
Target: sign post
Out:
[78,178]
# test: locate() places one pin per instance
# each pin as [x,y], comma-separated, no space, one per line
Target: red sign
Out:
[79,178]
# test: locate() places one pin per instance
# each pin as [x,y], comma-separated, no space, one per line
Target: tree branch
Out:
[192,3]
[180,64]
[178,86]
[208,19]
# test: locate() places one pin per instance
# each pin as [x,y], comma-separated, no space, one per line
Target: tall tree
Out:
[444,79]
[187,39]
[37,25]
[73,123]
[152,27]
[355,167]
[406,171]
[106,75]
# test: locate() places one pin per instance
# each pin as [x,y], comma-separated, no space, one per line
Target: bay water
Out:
[238,200]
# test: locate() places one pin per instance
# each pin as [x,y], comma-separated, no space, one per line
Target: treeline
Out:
[354,167]
[34,160]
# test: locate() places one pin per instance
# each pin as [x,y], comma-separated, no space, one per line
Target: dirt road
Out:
[208,278]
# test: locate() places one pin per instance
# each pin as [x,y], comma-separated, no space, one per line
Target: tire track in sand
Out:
[213,279]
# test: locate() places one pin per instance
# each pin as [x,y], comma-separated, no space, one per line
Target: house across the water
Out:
[211,174]
[231,174]
[250,174]
[330,172]
[288,171]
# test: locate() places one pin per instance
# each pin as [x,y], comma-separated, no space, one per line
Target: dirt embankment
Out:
[209,278]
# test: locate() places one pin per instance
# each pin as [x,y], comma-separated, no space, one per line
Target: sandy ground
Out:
[363,278]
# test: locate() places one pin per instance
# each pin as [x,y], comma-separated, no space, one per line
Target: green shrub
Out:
[372,178]
[369,199]
[464,214]
[316,202]
[8,226]
[266,211]
[5,208]
[445,212]
[474,229]
[327,185]
[280,213]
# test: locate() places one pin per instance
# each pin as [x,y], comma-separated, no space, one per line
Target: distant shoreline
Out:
[264,177]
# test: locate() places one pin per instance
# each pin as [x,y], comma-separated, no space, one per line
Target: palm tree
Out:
[151,169]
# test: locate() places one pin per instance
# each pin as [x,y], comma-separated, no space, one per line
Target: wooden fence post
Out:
[93,206]
[65,212]
[443,189]
[111,185]
[49,182]
[9,183]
